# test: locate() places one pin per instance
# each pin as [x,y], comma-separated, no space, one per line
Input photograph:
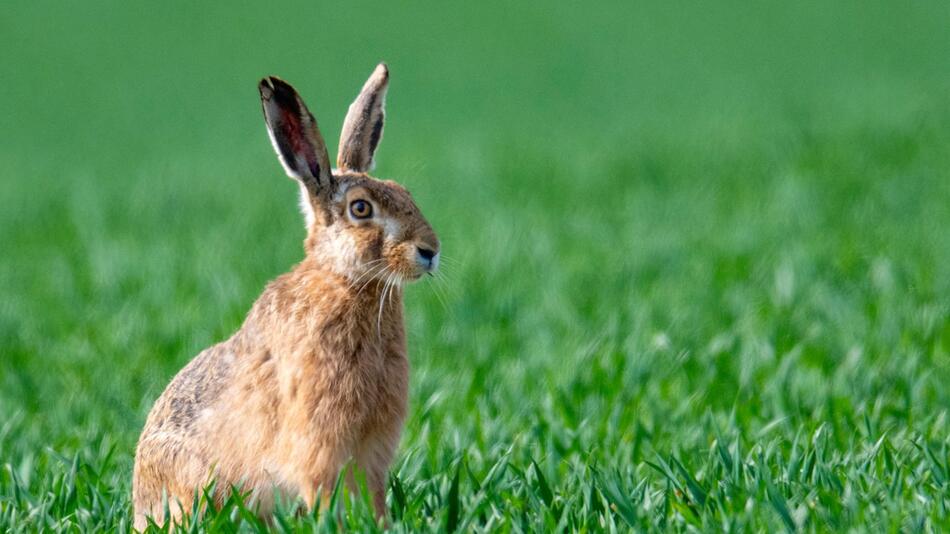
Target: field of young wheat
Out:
[697,259]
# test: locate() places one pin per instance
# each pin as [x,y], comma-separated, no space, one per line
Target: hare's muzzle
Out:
[427,259]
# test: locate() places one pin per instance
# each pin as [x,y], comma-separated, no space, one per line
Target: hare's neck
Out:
[308,303]
[374,315]
[313,302]
[382,300]
[372,305]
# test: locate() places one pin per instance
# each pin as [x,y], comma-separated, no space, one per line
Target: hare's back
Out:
[196,387]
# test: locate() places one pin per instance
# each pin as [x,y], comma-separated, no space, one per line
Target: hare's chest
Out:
[350,386]
[369,373]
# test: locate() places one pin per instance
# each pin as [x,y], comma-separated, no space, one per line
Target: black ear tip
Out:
[266,87]
[273,87]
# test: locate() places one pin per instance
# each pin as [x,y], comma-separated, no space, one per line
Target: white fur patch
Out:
[340,192]
[305,207]
[339,248]
[391,227]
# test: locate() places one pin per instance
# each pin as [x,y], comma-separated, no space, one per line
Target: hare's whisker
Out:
[443,282]
[382,295]
[439,294]
[371,275]
[449,259]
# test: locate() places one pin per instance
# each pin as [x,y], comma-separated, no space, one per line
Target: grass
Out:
[698,269]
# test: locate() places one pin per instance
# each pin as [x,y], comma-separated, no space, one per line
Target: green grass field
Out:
[698,256]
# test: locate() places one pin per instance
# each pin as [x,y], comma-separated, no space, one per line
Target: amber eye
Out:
[361,209]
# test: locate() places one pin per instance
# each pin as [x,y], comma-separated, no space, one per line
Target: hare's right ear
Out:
[294,134]
[363,125]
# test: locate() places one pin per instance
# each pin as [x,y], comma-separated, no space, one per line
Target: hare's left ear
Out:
[293,132]
[363,126]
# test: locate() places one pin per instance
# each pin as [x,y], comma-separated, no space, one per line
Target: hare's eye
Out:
[361,209]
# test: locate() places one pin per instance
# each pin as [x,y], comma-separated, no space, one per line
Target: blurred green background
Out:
[698,259]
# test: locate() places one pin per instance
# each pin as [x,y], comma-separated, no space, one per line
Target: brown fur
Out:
[318,373]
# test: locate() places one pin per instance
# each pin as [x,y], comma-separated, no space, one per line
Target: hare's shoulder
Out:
[194,388]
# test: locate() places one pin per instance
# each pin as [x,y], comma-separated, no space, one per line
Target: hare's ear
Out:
[294,134]
[363,126]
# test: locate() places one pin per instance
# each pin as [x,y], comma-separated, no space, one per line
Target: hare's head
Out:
[356,224]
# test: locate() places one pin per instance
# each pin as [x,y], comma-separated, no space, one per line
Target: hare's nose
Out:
[428,258]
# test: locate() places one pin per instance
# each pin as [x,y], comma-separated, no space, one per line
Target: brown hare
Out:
[318,374]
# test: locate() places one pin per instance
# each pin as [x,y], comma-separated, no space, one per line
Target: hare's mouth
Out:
[411,276]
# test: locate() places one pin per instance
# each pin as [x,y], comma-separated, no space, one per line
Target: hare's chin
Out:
[401,278]
[419,274]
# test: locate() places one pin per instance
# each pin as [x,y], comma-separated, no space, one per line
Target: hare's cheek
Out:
[340,248]
[372,242]
[392,229]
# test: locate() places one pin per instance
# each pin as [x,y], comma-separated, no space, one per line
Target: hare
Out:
[318,373]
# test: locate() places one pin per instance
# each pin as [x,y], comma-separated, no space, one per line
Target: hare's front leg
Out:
[318,468]
[373,457]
